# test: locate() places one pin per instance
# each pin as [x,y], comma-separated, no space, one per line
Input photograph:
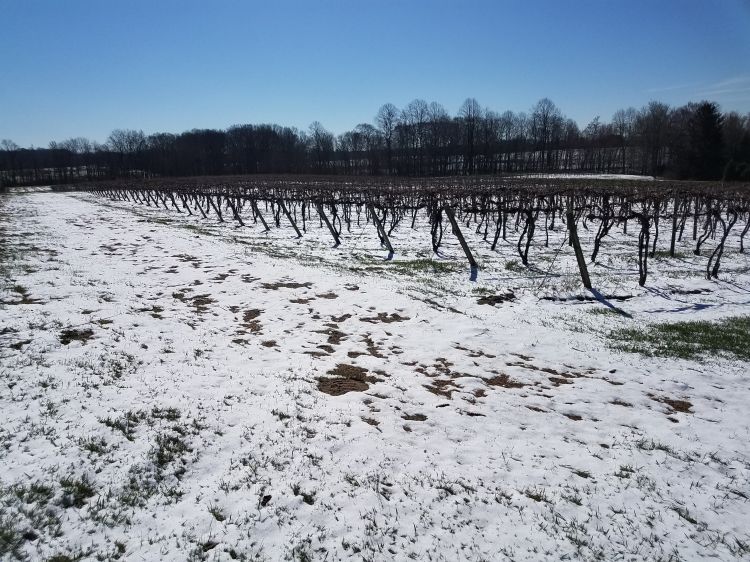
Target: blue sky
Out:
[82,68]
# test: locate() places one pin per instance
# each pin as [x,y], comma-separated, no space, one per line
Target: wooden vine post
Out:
[333,232]
[460,236]
[576,243]
[289,217]
[381,231]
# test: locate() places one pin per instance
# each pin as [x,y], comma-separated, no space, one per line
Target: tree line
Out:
[694,141]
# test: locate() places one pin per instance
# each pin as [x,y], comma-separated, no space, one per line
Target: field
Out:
[178,388]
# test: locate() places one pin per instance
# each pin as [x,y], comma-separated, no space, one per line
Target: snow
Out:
[593,176]
[572,455]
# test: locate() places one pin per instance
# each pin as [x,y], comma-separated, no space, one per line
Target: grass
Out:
[605,311]
[72,334]
[96,445]
[515,266]
[11,539]
[536,494]
[424,266]
[167,449]
[77,491]
[687,340]
[307,497]
[664,254]
[127,424]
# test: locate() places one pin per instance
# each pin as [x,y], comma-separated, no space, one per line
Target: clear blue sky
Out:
[82,68]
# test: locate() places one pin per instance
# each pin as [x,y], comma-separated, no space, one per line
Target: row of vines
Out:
[520,208]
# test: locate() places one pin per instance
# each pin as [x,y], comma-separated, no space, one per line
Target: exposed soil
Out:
[346,378]
[439,387]
[329,295]
[682,406]
[536,409]
[73,334]
[504,381]
[286,285]
[492,300]
[200,302]
[385,318]
[250,322]
[334,336]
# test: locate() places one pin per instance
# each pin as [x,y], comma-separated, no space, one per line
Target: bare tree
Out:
[322,144]
[546,119]
[652,123]
[470,114]
[623,122]
[387,120]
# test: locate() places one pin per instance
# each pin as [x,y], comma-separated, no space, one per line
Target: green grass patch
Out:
[515,266]
[664,254]
[687,340]
[76,491]
[605,311]
[423,266]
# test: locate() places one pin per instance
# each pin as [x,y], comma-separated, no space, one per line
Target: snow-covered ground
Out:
[176,388]
[592,176]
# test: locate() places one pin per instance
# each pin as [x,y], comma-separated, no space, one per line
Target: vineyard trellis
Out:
[495,206]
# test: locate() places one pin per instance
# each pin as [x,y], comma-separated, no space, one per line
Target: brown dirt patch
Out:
[348,371]
[504,381]
[346,378]
[414,417]
[440,387]
[268,343]
[250,321]
[536,409]
[574,417]
[334,336]
[385,318]
[199,302]
[329,295]
[73,334]
[300,301]
[492,300]
[372,348]
[251,314]
[675,405]
[286,285]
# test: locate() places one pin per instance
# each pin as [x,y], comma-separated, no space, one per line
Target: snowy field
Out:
[174,388]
